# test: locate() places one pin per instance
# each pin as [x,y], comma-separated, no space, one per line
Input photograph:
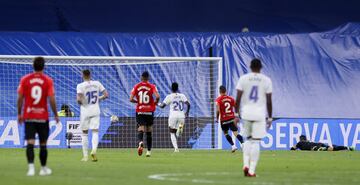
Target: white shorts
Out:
[254,129]
[175,122]
[89,122]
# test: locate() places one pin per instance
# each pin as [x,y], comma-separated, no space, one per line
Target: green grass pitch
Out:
[195,167]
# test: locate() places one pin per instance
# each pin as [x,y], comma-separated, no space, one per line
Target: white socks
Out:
[246,153]
[94,141]
[254,155]
[85,144]
[251,154]
[173,140]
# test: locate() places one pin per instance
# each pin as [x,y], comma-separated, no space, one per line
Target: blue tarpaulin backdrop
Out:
[315,75]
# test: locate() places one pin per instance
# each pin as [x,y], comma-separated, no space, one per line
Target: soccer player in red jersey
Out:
[225,112]
[34,90]
[142,94]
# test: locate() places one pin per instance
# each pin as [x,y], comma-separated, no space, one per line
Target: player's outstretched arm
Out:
[79,98]
[105,95]
[217,112]
[188,108]
[238,101]
[269,109]
[161,105]
[53,107]
[157,96]
[132,99]
[19,107]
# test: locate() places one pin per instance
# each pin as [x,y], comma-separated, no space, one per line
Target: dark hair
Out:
[174,87]
[255,64]
[145,75]
[222,89]
[86,73]
[38,63]
[302,138]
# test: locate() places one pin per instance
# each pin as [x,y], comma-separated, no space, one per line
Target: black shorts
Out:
[229,124]
[145,118]
[40,128]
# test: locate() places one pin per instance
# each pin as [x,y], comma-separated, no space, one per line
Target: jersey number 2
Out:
[227,107]
[254,93]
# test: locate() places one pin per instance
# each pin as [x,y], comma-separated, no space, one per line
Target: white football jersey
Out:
[255,86]
[177,104]
[91,91]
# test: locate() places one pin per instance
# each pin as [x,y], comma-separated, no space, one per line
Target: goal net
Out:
[198,78]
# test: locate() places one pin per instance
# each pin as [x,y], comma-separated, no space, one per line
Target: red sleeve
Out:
[133,91]
[51,90]
[21,86]
[153,88]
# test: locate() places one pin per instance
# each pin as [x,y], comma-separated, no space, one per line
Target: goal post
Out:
[198,78]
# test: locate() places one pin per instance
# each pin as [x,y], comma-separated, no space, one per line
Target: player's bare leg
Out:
[95,142]
[30,157]
[43,159]
[148,140]
[85,145]
[230,140]
[173,139]
[141,139]
[238,137]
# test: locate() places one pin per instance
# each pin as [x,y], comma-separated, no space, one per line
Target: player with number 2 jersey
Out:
[225,112]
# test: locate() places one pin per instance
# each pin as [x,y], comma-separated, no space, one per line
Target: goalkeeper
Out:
[177,116]
[304,144]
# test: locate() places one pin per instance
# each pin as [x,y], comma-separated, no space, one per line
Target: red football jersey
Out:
[226,107]
[143,92]
[36,87]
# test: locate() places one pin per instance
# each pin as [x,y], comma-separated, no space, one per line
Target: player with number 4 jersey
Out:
[254,95]
[88,96]
[142,94]
[225,112]
[177,115]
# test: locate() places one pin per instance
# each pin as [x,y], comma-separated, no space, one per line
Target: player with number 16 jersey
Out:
[142,94]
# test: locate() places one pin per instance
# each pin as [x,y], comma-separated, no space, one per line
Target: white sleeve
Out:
[239,85]
[101,87]
[184,98]
[269,86]
[167,100]
[79,89]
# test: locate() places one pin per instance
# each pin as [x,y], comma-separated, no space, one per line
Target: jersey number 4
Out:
[254,93]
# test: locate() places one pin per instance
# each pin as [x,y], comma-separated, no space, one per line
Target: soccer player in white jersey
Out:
[177,115]
[254,94]
[88,96]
